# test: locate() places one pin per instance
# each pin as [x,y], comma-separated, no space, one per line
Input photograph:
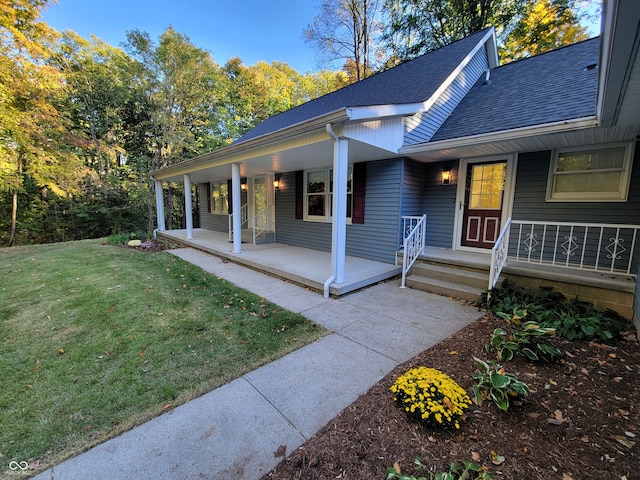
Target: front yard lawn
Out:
[99,338]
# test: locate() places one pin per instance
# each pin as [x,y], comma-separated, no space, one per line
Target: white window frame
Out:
[623,190]
[328,195]
[219,208]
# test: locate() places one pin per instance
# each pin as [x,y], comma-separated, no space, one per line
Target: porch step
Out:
[440,287]
[458,280]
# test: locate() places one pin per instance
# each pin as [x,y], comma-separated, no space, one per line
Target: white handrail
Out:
[243,220]
[499,254]
[412,243]
[268,226]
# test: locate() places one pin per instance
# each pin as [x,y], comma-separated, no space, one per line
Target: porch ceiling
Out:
[312,155]
[500,143]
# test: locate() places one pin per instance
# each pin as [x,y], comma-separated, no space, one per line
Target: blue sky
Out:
[253,30]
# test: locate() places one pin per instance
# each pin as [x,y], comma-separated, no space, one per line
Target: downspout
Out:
[331,279]
[339,226]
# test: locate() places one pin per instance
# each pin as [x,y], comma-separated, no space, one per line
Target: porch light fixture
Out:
[243,187]
[446,177]
[276,182]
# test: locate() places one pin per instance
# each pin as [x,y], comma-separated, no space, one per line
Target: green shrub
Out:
[570,319]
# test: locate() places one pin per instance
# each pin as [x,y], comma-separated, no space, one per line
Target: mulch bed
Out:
[581,421]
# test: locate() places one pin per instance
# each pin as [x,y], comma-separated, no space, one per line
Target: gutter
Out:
[505,135]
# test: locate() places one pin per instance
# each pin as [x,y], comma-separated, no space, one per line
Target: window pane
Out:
[604,158]
[316,182]
[315,205]
[608,182]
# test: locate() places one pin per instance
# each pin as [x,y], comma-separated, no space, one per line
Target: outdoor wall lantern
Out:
[276,182]
[243,187]
[446,177]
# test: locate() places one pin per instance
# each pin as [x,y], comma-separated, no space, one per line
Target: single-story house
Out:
[524,170]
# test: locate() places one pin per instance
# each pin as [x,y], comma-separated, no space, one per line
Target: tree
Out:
[33,136]
[545,25]
[346,31]
[415,27]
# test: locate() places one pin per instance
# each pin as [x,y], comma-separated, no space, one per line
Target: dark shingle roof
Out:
[551,87]
[411,82]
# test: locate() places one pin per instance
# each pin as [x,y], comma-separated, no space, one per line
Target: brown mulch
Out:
[581,421]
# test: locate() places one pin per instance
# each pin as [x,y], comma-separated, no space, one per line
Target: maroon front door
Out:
[483,204]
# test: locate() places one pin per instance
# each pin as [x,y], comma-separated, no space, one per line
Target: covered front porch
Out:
[303,266]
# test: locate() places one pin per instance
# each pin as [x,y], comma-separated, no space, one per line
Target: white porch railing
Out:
[243,220]
[263,222]
[598,247]
[499,254]
[414,234]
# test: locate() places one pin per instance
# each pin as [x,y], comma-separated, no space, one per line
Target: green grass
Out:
[98,338]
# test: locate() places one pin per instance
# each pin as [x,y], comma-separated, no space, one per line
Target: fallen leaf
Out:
[61,351]
[585,439]
[396,466]
[558,416]
[567,476]
[167,405]
[496,459]
[585,371]
[612,355]
[475,456]
[533,415]
[623,440]
[624,413]
[453,352]
[617,379]
[630,434]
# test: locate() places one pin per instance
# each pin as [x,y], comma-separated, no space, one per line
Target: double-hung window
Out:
[219,198]
[318,194]
[593,174]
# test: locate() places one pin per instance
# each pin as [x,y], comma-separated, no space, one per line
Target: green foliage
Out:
[523,339]
[495,383]
[570,319]
[431,397]
[462,470]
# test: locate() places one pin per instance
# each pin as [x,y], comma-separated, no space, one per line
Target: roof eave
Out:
[226,155]
[505,135]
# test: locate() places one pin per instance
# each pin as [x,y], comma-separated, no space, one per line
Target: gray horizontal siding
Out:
[530,205]
[531,189]
[376,239]
[439,203]
[421,127]
[213,221]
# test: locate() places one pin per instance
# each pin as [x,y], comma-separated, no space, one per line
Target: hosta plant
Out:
[431,397]
[495,383]
[527,339]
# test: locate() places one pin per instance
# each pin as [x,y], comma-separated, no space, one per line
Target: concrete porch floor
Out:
[303,266]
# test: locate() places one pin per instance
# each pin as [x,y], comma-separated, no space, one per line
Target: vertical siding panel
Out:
[421,127]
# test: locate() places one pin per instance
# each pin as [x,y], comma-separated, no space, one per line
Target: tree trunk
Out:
[14,211]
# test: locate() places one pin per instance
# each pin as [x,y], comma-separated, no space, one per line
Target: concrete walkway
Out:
[246,427]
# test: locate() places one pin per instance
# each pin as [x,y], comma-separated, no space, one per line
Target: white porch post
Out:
[160,206]
[237,208]
[339,227]
[188,212]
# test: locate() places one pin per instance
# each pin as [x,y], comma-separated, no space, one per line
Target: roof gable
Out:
[411,82]
[552,87]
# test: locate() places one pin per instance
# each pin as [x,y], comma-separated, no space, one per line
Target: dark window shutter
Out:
[209,197]
[299,195]
[359,180]
[229,197]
